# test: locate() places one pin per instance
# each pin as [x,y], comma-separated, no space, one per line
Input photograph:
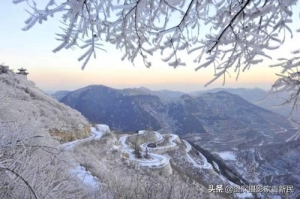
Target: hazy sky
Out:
[61,71]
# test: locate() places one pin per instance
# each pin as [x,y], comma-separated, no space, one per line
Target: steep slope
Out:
[59,94]
[112,107]
[129,110]
[272,165]
[22,103]
[221,114]
[239,124]
[259,97]
[186,112]
[233,106]
[32,164]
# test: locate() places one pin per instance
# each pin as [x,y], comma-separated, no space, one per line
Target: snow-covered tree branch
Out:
[224,34]
[31,170]
[289,80]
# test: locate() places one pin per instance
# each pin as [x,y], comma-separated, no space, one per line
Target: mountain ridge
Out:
[208,114]
[255,96]
[23,97]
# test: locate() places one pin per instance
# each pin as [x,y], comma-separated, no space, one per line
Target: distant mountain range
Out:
[59,94]
[260,98]
[255,96]
[216,115]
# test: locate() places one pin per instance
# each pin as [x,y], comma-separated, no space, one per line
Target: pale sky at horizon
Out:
[61,71]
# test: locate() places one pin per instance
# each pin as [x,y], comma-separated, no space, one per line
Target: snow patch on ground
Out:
[244,195]
[227,155]
[216,166]
[205,164]
[85,176]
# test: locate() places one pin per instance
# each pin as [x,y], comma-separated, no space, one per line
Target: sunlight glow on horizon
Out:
[61,71]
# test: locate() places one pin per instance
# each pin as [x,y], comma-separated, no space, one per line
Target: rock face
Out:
[23,104]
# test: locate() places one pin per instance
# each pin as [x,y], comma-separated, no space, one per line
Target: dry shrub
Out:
[71,135]
[34,167]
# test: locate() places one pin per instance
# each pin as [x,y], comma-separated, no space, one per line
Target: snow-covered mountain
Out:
[48,168]
[255,96]
[31,123]
[216,115]
[22,102]
[173,168]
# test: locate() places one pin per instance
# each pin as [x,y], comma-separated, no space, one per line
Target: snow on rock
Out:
[103,128]
[227,155]
[141,132]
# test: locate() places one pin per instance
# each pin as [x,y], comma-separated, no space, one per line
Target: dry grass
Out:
[71,135]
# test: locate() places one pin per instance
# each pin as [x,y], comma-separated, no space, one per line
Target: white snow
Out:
[155,160]
[96,134]
[227,155]
[141,132]
[216,166]
[188,146]
[244,195]
[159,140]
[80,171]
[205,164]
[85,176]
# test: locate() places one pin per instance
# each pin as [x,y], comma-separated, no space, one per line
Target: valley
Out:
[189,145]
[223,126]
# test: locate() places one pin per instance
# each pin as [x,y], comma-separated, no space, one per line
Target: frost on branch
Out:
[29,169]
[225,34]
[289,79]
